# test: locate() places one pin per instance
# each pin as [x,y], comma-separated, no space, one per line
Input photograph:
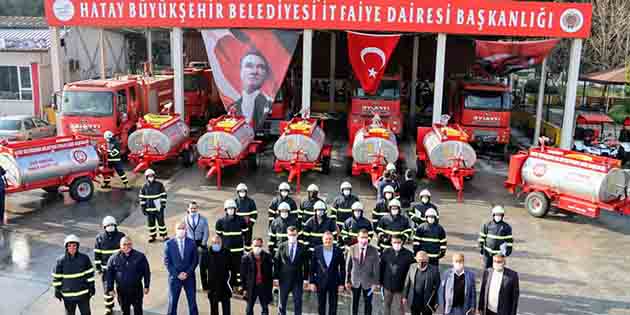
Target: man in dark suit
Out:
[253,104]
[217,276]
[421,286]
[181,258]
[289,263]
[327,274]
[499,292]
[256,273]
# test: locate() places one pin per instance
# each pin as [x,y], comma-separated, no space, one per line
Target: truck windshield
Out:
[487,100]
[10,124]
[83,103]
[388,89]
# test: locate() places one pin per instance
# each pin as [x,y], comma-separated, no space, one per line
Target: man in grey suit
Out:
[253,104]
[362,272]
[457,291]
[197,230]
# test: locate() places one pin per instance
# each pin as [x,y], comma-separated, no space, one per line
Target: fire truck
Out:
[91,107]
[482,109]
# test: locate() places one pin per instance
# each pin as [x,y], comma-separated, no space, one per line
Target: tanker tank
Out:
[443,153]
[226,138]
[371,141]
[163,134]
[304,135]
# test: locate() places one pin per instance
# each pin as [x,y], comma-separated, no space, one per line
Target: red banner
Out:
[502,58]
[369,55]
[479,17]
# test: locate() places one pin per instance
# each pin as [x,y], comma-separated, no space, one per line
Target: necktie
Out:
[362,255]
[181,248]
[292,252]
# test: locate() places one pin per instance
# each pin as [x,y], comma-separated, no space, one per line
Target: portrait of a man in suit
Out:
[253,103]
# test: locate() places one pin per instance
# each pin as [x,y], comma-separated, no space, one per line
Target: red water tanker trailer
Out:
[159,138]
[49,163]
[569,181]
[228,141]
[301,148]
[443,150]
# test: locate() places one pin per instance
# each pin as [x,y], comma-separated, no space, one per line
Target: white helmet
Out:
[241,187]
[425,192]
[284,186]
[498,210]
[71,239]
[357,206]
[390,167]
[108,135]
[229,203]
[345,185]
[312,187]
[430,213]
[109,220]
[149,172]
[388,189]
[319,205]
[283,206]
[394,203]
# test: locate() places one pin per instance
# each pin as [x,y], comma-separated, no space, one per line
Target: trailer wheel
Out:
[252,161]
[326,165]
[537,204]
[420,169]
[82,189]
[188,157]
[51,189]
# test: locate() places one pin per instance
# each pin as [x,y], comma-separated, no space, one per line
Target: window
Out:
[482,100]
[121,101]
[10,124]
[87,103]
[15,83]
[28,124]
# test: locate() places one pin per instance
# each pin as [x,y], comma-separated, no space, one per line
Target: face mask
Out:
[320,213]
[193,213]
[458,267]
[181,233]
[150,179]
[497,267]
[284,194]
[292,239]
[284,215]
[346,192]
[110,228]
[363,241]
[230,211]
[424,199]
[357,214]
[397,246]
[498,218]
[216,247]
[431,220]
[395,211]
[388,196]
[257,250]
[242,194]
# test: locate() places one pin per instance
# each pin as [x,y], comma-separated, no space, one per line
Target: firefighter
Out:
[73,278]
[107,244]
[314,230]
[418,212]
[389,178]
[495,237]
[306,208]
[342,205]
[246,208]
[380,209]
[278,228]
[431,238]
[114,160]
[393,223]
[283,196]
[232,228]
[153,202]
[354,224]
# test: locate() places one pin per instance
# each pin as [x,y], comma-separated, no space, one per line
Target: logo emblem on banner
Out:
[369,55]
[571,20]
[63,10]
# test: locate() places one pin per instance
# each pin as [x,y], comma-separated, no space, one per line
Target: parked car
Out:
[25,127]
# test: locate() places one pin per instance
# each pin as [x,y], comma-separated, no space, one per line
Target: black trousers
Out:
[356,298]
[251,301]
[329,294]
[420,310]
[83,305]
[155,224]
[108,300]
[214,305]
[130,298]
[235,269]
[203,263]
[2,197]
[118,167]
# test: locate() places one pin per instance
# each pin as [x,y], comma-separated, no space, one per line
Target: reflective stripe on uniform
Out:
[75,294]
[73,275]
[106,251]
[152,197]
[390,232]
[244,214]
[497,237]
[233,233]
[236,250]
[427,239]
[344,210]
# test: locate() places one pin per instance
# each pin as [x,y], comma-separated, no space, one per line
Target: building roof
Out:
[24,39]
[613,77]
[593,119]
[23,22]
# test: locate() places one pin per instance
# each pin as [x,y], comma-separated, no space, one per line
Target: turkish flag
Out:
[369,55]
[502,58]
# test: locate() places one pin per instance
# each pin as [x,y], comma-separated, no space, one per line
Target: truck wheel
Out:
[252,161]
[188,157]
[326,165]
[420,169]
[82,189]
[537,204]
[51,189]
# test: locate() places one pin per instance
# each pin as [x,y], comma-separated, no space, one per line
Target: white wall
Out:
[82,44]
[7,58]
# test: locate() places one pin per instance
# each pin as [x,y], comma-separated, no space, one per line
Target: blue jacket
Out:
[328,276]
[445,293]
[173,261]
[128,272]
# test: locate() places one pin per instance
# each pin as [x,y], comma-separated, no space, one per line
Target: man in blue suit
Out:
[181,259]
[457,293]
[327,274]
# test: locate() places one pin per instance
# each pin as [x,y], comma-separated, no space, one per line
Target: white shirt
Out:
[248,104]
[493,293]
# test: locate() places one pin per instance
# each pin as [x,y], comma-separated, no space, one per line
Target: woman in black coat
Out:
[218,276]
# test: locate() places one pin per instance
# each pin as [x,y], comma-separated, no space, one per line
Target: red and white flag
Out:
[503,58]
[369,55]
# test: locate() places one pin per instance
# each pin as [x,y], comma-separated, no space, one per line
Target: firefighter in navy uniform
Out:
[495,237]
[381,209]
[232,229]
[306,208]
[73,278]
[342,205]
[418,211]
[283,196]
[114,160]
[246,208]
[314,230]
[278,228]
[153,202]
[354,224]
[394,223]
[107,244]
[431,238]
